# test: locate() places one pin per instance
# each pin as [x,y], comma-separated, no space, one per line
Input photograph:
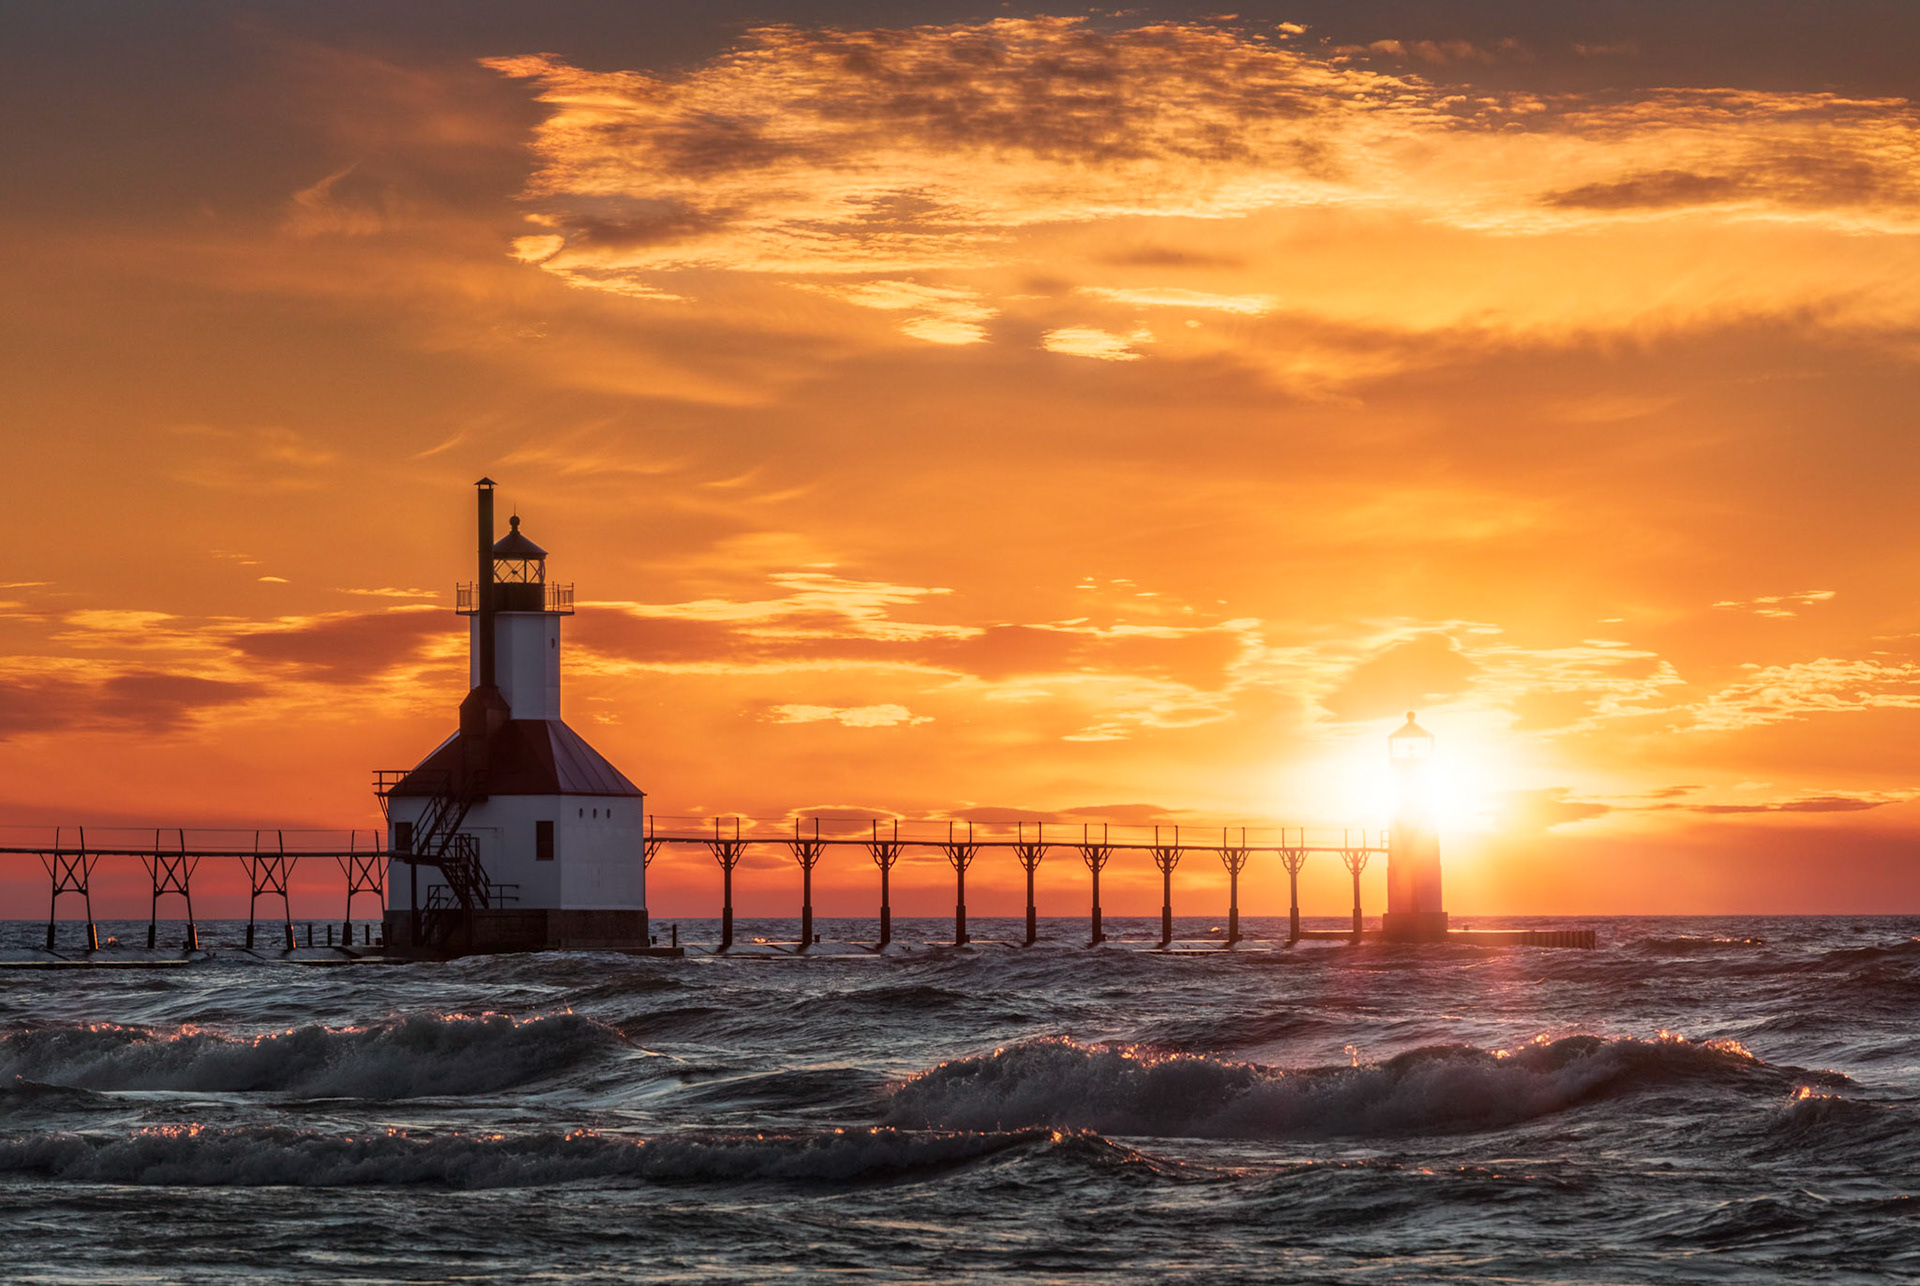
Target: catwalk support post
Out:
[960,854]
[170,873]
[727,851]
[1166,857]
[267,871]
[1030,853]
[71,871]
[1293,859]
[366,872]
[1355,860]
[885,852]
[649,849]
[1095,853]
[807,851]
[1235,860]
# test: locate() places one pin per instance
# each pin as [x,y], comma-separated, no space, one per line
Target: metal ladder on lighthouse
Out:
[437,841]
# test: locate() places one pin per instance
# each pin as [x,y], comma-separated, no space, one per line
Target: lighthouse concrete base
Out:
[529,929]
[1414,926]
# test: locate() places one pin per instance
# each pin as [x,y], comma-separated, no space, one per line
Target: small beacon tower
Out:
[1414,911]
[514,834]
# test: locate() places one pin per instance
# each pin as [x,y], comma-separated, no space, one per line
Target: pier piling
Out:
[1293,859]
[885,852]
[727,852]
[71,872]
[171,873]
[1030,854]
[1355,860]
[1166,857]
[960,855]
[1235,860]
[807,852]
[1096,855]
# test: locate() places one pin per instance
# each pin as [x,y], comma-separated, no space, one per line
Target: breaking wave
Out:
[409,1057]
[1058,1084]
[193,1156]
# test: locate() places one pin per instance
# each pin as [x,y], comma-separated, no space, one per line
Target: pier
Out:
[170,857]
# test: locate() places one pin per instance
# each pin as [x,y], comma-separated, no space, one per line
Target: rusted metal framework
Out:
[727,851]
[807,851]
[71,857]
[1235,860]
[963,843]
[960,854]
[1030,855]
[1165,858]
[885,854]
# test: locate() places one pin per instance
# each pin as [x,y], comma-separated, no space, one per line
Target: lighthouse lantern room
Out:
[514,834]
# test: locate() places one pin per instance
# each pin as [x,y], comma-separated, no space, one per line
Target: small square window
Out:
[543,841]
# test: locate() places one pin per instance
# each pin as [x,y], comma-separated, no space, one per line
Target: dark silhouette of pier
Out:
[171,856]
[883,841]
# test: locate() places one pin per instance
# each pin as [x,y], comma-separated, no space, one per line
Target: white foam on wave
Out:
[195,1156]
[406,1057]
[1058,1084]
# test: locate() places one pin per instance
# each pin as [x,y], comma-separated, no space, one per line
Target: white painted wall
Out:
[526,661]
[598,859]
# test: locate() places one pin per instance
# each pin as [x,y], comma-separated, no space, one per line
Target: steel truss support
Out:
[1235,860]
[1293,859]
[1355,860]
[171,873]
[267,872]
[807,851]
[366,873]
[1096,854]
[71,872]
[649,851]
[727,851]
[885,853]
[1030,855]
[1166,857]
[960,854]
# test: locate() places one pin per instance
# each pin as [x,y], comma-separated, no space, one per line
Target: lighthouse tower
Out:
[1414,911]
[514,834]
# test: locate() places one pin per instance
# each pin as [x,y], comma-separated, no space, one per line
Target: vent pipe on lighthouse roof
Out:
[483,583]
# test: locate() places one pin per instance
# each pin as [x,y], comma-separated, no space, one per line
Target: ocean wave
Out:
[262,1157]
[1439,1089]
[409,1057]
[1689,944]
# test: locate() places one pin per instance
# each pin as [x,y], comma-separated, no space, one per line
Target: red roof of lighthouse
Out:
[527,757]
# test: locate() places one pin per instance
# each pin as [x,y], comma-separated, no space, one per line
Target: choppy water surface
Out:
[1732,1099]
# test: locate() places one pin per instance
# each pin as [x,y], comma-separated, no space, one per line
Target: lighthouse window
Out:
[543,841]
[596,812]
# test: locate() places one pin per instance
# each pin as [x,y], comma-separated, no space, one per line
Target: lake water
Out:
[1698,1100]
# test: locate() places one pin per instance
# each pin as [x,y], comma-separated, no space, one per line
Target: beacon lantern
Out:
[1414,910]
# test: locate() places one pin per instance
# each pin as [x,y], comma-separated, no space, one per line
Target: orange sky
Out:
[947,413]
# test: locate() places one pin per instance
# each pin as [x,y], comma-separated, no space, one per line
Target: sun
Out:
[1465,777]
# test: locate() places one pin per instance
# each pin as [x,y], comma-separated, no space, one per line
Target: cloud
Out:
[1091,341]
[152,701]
[1404,676]
[345,648]
[956,174]
[1829,685]
[873,716]
[1776,605]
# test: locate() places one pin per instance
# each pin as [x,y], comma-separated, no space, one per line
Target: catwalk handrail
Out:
[939,833]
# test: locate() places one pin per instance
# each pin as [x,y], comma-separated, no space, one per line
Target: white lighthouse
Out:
[514,834]
[1414,910]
